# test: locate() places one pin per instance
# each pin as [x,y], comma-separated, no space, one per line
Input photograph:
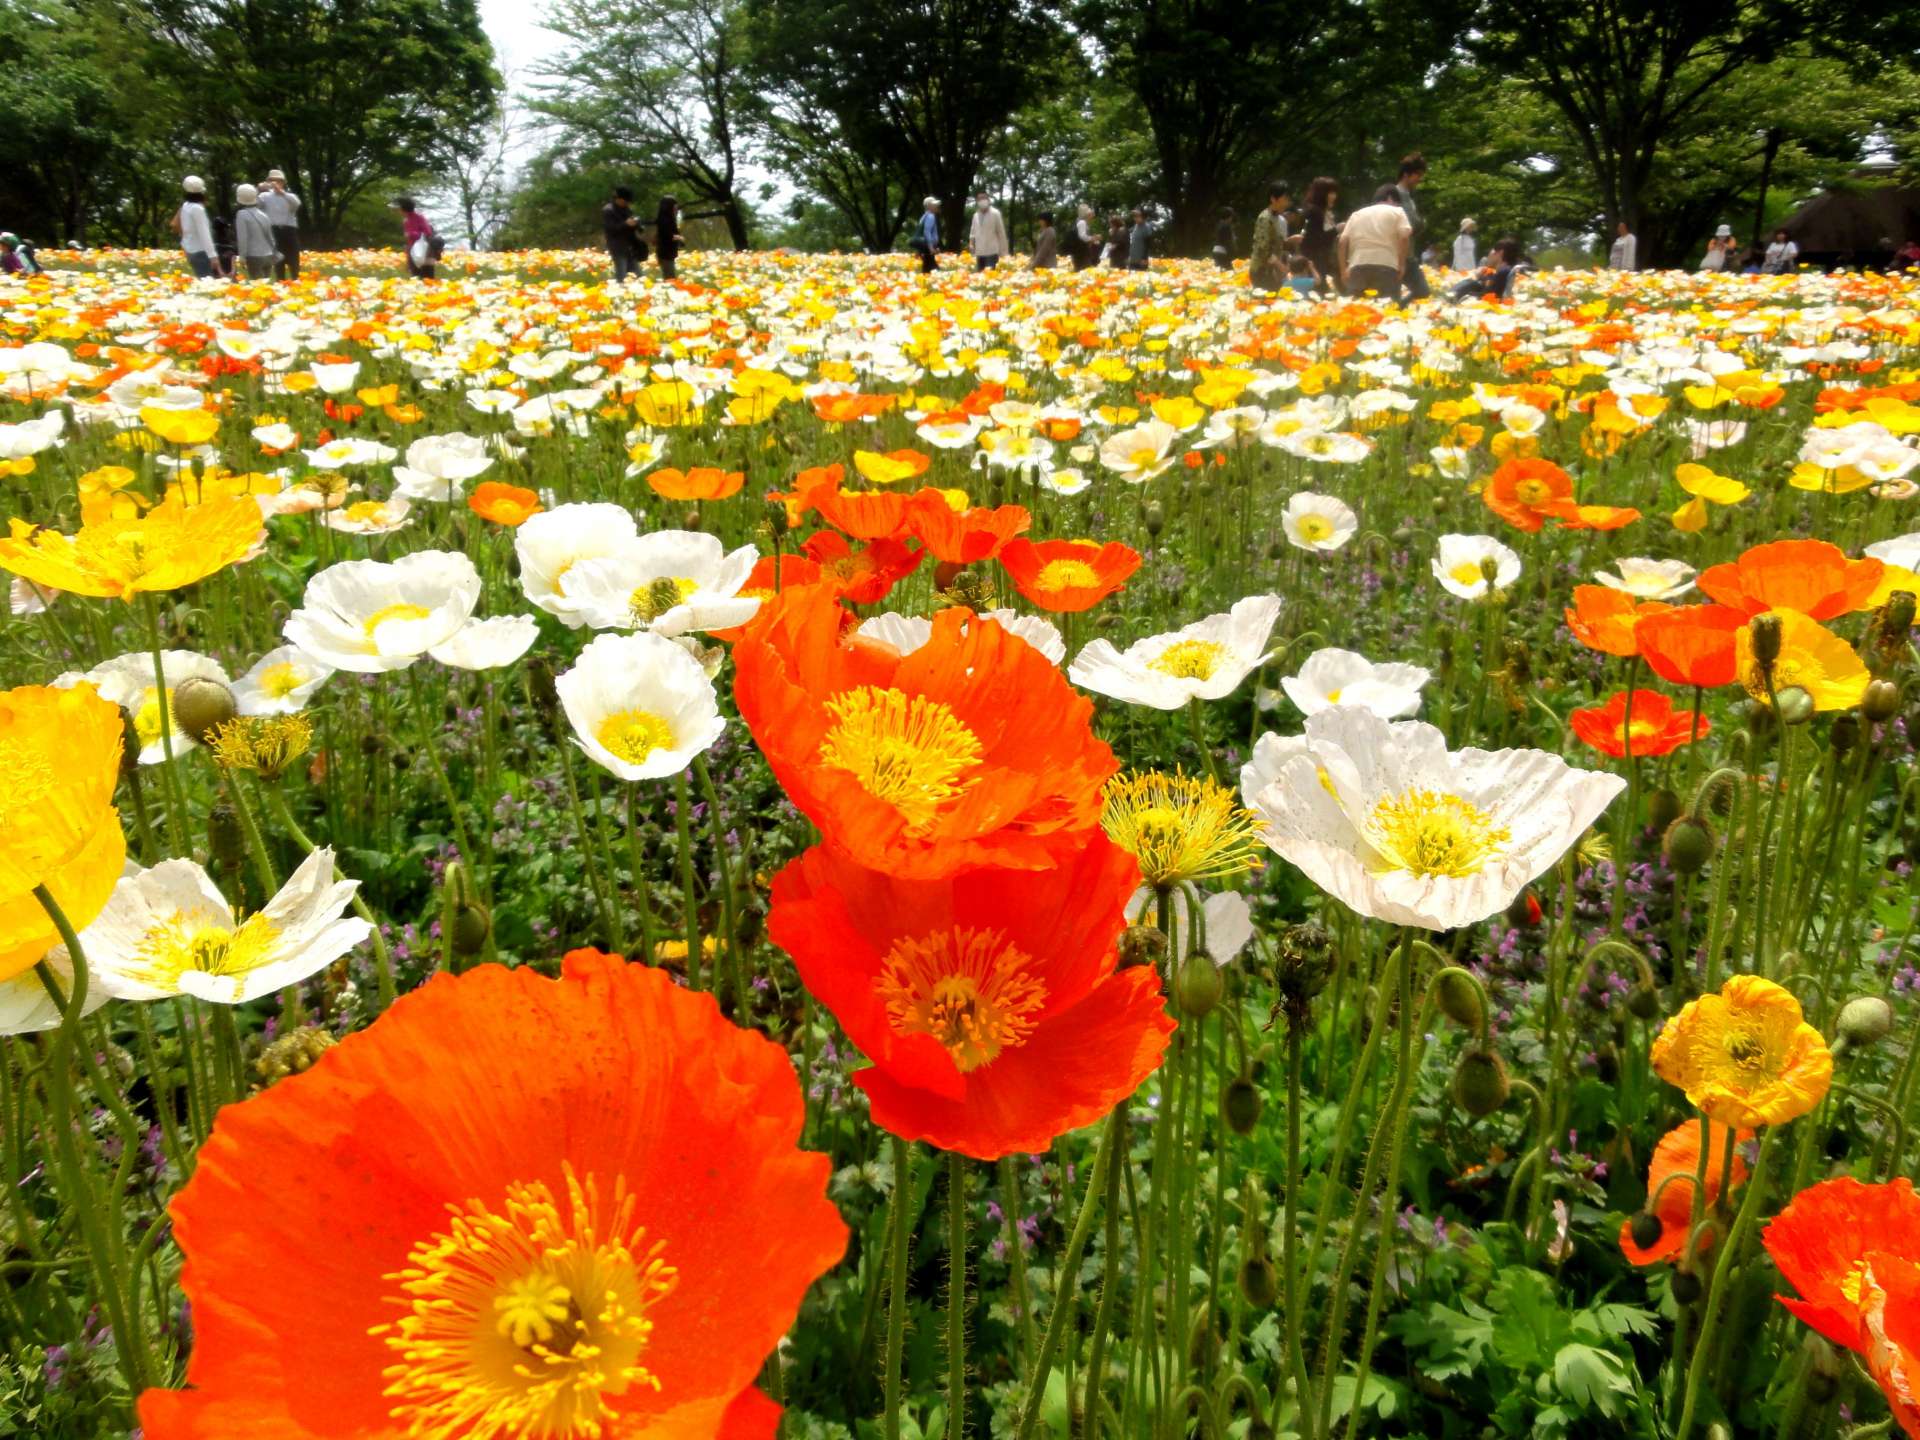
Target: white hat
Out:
[931,200]
[276,174]
[245,195]
[1467,224]
[1725,232]
[194,185]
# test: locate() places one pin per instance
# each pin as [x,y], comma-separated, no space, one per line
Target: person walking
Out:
[1140,241]
[195,229]
[668,242]
[253,234]
[1464,258]
[282,209]
[1046,245]
[987,236]
[1374,246]
[1320,232]
[1223,239]
[1625,245]
[620,228]
[926,241]
[1783,255]
[1267,260]
[1413,171]
[417,234]
[1086,244]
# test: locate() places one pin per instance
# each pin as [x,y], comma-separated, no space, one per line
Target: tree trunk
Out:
[736,224]
[1766,182]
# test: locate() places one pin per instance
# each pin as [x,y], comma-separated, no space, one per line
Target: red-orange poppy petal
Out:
[963,537]
[309,1196]
[767,580]
[1068,576]
[1821,1241]
[1657,727]
[1692,644]
[1607,620]
[1810,576]
[1893,1335]
[1670,1184]
[864,576]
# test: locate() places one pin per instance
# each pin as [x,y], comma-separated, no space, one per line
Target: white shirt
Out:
[196,232]
[253,234]
[989,233]
[1374,233]
[282,210]
[1463,256]
[1621,256]
[1780,256]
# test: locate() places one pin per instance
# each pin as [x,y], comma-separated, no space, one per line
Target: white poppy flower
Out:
[1452,462]
[1205,660]
[488,644]
[1646,579]
[336,377]
[1705,435]
[281,682]
[1388,821]
[492,402]
[30,437]
[438,466]
[129,681]
[640,705]
[25,1005]
[370,517]
[371,616]
[1065,482]
[1902,550]
[26,598]
[907,633]
[549,545]
[1232,429]
[1227,916]
[1318,522]
[349,450]
[669,582]
[1140,453]
[277,437]
[1270,755]
[1326,447]
[169,931]
[1458,565]
[1341,677]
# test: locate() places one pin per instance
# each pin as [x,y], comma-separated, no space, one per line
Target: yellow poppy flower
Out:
[1811,657]
[59,762]
[1701,483]
[1691,518]
[668,404]
[1843,480]
[170,546]
[180,427]
[1745,1056]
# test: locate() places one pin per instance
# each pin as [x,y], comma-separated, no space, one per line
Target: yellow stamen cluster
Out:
[264,744]
[912,752]
[1180,827]
[1428,832]
[205,942]
[968,989]
[633,735]
[1066,575]
[657,597]
[1189,659]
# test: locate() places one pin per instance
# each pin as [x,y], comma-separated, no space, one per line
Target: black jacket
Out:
[613,220]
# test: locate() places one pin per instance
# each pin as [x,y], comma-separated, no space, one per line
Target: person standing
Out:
[1782,255]
[1223,239]
[668,242]
[1046,245]
[1267,260]
[926,241]
[1115,253]
[987,238]
[194,228]
[1719,250]
[1140,241]
[1374,246]
[282,209]
[1086,244]
[16,255]
[253,234]
[620,228]
[417,234]
[1413,170]
[1625,244]
[1464,258]
[1319,231]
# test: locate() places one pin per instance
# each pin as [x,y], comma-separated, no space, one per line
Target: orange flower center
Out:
[912,752]
[968,989]
[1067,575]
[524,1321]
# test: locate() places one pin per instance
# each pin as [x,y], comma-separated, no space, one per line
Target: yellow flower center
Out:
[386,614]
[526,1321]
[1333,697]
[1533,492]
[280,681]
[1314,528]
[1466,574]
[1430,833]
[1189,659]
[909,751]
[370,512]
[146,720]
[206,942]
[1066,575]
[1143,458]
[1179,827]
[968,989]
[657,597]
[633,735]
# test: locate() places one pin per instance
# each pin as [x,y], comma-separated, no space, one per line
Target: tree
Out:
[657,82]
[479,173]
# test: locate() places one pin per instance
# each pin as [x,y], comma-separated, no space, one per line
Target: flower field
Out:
[1023,855]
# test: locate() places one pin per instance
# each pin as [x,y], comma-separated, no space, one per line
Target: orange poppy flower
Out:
[800,499]
[1068,575]
[1570,516]
[794,571]
[963,537]
[863,576]
[1670,1180]
[1810,576]
[511,1206]
[971,751]
[1608,620]
[703,482]
[1892,1285]
[1656,727]
[1821,1242]
[1521,489]
[988,1002]
[863,514]
[842,408]
[504,504]
[1691,644]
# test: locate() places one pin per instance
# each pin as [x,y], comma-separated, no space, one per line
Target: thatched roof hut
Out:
[1857,220]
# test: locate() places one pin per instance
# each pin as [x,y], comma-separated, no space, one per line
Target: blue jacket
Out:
[930,229]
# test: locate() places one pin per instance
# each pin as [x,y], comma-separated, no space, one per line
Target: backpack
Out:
[436,247]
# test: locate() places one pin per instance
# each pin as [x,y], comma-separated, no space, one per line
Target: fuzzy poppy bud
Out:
[1663,808]
[691,520]
[130,745]
[1764,631]
[201,706]
[1524,912]
[1490,571]
[1793,705]
[1686,1287]
[1480,1084]
[1241,1104]
[1197,986]
[1824,1369]
[1881,702]
[466,914]
[1259,1282]
[777,518]
[1154,518]
[1141,945]
[1845,733]
[1688,845]
[1461,999]
[1643,1001]
[1645,1229]
[1606,1063]
[1896,616]
[1864,1020]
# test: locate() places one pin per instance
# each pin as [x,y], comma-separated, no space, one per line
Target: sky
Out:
[519,40]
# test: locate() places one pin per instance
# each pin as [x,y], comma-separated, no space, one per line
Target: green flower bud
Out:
[1240,1104]
[1881,702]
[1154,518]
[1643,1001]
[1259,1282]
[1793,705]
[1764,631]
[1198,985]
[1845,733]
[201,706]
[1686,1287]
[1663,808]
[1864,1020]
[1480,1084]
[1142,945]
[1461,1000]
[1645,1228]
[1688,845]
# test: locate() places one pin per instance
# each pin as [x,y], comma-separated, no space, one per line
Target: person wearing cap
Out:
[1464,256]
[253,234]
[926,240]
[620,228]
[1046,244]
[16,255]
[1719,250]
[194,228]
[988,236]
[282,209]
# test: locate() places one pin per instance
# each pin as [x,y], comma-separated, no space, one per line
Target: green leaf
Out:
[1591,1379]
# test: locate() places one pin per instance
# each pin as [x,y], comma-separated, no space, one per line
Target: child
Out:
[1300,279]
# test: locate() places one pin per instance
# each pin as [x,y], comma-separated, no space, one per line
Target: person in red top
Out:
[418,231]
